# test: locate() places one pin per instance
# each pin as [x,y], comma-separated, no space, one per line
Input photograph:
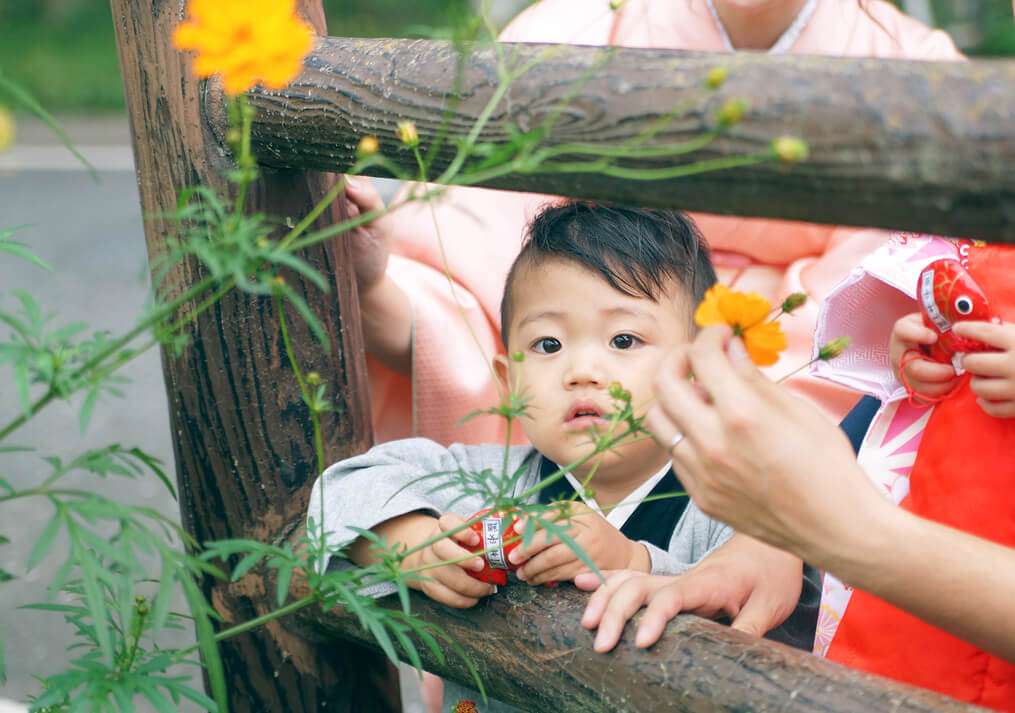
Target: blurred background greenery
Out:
[64,49]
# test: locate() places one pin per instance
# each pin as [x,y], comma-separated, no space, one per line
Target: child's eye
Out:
[546,345]
[624,341]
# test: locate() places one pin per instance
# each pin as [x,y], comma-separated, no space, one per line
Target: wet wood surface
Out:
[531,651]
[242,434]
[922,146]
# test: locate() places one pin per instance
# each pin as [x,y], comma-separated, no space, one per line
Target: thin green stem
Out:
[112,348]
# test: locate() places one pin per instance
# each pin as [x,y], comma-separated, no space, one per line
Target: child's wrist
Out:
[639,559]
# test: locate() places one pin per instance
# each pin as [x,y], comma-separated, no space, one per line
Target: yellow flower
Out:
[747,313]
[407,134]
[716,77]
[6,128]
[790,149]
[732,112]
[368,146]
[247,42]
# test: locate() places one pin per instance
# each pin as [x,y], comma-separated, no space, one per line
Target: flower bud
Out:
[617,4]
[6,128]
[278,281]
[834,348]
[233,138]
[517,356]
[790,149]
[732,112]
[716,77]
[368,146]
[407,134]
[618,392]
[794,302]
[313,378]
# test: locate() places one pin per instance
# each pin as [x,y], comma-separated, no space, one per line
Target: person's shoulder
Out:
[561,21]
[482,456]
[909,37]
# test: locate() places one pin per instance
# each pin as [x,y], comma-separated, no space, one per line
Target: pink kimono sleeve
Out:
[451,259]
[865,306]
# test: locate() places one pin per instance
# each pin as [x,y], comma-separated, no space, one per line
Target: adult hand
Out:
[754,585]
[371,243]
[757,457]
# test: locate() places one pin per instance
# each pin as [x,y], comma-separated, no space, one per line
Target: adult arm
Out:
[773,467]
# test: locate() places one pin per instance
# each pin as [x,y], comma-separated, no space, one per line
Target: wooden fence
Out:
[894,144]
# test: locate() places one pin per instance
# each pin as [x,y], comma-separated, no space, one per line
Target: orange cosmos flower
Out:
[246,42]
[747,314]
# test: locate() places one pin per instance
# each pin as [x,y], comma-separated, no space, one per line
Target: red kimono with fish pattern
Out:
[963,477]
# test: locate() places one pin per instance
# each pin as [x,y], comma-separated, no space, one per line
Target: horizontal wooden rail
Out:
[532,652]
[925,146]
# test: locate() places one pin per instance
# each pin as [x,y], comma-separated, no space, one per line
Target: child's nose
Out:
[584,370]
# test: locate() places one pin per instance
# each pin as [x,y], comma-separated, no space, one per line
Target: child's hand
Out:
[547,559]
[993,372]
[755,585]
[444,578]
[925,377]
[371,243]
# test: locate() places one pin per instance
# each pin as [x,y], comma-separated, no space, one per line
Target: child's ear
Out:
[502,369]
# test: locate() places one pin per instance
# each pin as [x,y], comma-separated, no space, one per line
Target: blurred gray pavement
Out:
[90,232]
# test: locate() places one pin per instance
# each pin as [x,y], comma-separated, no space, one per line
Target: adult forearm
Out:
[387,325]
[955,581]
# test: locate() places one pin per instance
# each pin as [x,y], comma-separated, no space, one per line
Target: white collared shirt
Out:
[620,514]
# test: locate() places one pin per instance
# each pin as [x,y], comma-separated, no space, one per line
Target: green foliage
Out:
[125,562]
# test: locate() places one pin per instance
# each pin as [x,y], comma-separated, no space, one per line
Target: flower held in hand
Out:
[747,313]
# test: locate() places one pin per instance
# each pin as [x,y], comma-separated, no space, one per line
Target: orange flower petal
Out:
[764,342]
[708,312]
[245,41]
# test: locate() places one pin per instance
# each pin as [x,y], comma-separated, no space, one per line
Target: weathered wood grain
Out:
[532,652]
[926,146]
[242,435]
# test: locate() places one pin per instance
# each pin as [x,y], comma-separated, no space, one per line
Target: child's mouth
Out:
[583,415]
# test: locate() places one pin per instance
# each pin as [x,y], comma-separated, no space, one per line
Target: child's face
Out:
[578,335]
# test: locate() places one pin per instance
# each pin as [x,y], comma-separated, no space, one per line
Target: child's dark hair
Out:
[637,250]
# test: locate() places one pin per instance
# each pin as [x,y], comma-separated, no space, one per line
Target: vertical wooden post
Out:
[241,433]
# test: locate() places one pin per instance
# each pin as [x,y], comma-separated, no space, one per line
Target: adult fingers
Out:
[992,364]
[683,405]
[997,409]
[363,194]
[759,615]
[626,600]
[720,364]
[598,602]
[663,606]
[590,581]
[992,389]
[999,336]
